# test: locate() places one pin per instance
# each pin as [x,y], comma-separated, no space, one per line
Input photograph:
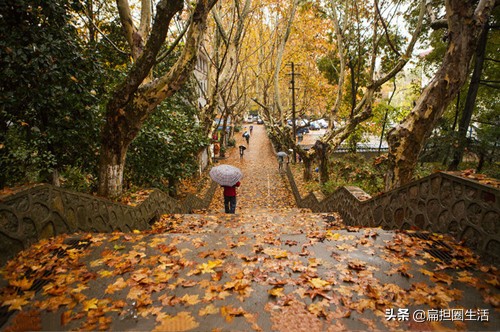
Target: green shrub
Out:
[355,170]
[75,179]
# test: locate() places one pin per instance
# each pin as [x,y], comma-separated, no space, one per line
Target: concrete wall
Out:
[44,211]
[440,203]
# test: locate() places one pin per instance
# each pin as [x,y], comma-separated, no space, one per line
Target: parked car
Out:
[314,126]
[302,130]
[322,123]
[260,121]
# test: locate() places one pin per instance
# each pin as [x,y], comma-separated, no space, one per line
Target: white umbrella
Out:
[282,154]
[226,175]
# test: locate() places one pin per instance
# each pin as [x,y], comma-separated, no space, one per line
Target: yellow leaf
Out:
[136,231]
[332,236]
[118,247]
[318,283]
[209,267]
[317,309]
[278,291]
[24,283]
[105,273]
[209,310]
[90,304]
[276,253]
[229,312]
[183,321]
[190,299]
[15,304]
[426,272]
[118,285]
[161,276]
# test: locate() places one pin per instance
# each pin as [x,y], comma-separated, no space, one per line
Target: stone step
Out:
[287,221]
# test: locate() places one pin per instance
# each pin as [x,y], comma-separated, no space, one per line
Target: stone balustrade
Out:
[43,211]
[441,203]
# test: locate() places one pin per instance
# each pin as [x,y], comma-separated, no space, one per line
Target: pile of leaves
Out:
[329,276]
[481,178]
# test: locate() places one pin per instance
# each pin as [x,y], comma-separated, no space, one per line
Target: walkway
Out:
[269,267]
[262,188]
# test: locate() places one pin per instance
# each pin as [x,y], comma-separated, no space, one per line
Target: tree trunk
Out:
[465,23]
[112,165]
[470,101]
[279,58]
[307,169]
[453,127]
[172,186]
[223,135]
[136,97]
[56,179]
[322,153]
[480,164]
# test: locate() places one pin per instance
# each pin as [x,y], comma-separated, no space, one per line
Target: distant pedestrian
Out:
[281,161]
[242,150]
[230,198]
[251,129]
[246,135]
[300,137]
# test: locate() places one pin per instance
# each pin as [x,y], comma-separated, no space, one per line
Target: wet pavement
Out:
[269,267]
[262,186]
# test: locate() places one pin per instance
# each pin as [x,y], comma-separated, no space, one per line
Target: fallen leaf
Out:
[23,284]
[183,321]
[16,303]
[190,299]
[90,304]
[319,283]
[209,310]
[229,312]
[277,291]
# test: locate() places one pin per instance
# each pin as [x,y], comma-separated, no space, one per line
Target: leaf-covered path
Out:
[269,267]
[262,188]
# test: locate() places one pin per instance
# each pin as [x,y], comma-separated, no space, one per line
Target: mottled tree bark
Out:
[136,98]
[466,20]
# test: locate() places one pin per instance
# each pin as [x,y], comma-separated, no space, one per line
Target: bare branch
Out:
[146,12]
[104,35]
[385,29]
[176,42]
[218,22]
[404,58]
[126,19]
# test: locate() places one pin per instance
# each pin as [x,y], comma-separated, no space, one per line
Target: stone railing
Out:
[43,211]
[440,203]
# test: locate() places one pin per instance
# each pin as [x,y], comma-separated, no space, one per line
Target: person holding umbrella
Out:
[246,135]
[281,159]
[242,150]
[229,178]
[230,198]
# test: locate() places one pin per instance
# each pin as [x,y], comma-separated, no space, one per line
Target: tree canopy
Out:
[90,84]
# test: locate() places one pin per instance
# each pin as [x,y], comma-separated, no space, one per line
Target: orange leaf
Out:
[208,310]
[16,303]
[90,304]
[24,283]
[183,321]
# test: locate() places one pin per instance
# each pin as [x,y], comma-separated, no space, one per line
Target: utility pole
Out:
[294,125]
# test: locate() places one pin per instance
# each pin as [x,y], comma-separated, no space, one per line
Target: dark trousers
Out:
[230,204]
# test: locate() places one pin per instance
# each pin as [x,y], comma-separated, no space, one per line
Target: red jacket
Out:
[231,191]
